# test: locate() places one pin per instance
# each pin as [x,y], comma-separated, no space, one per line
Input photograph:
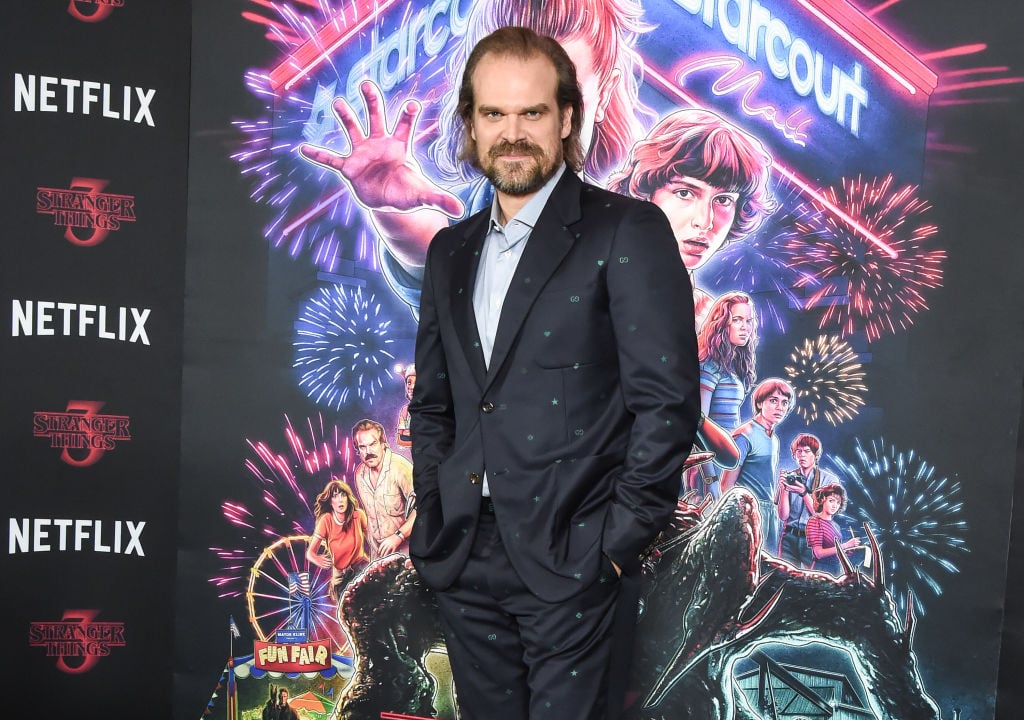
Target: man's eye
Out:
[683,193]
[725,200]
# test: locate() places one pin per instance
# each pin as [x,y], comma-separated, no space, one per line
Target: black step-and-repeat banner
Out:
[94,134]
[181,424]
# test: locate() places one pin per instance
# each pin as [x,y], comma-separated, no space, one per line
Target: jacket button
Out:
[474,478]
[487,407]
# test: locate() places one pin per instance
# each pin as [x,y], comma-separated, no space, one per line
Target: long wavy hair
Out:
[713,339]
[322,504]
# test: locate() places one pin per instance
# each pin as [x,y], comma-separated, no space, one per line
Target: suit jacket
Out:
[589,405]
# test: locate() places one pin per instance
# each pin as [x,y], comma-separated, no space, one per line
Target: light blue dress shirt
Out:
[503,247]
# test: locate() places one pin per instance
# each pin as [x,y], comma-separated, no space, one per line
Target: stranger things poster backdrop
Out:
[839,181]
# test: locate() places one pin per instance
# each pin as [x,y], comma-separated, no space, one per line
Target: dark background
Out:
[141,265]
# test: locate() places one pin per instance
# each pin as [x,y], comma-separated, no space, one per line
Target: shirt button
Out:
[487,407]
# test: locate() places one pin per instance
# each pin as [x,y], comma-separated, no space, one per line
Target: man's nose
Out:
[512,128]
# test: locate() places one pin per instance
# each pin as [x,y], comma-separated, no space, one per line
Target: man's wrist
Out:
[399,533]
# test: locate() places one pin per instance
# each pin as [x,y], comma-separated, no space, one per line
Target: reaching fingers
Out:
[375,115]
[348,121]
[406,125]
[322,156]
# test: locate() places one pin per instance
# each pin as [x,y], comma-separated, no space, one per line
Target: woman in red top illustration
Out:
[341,531]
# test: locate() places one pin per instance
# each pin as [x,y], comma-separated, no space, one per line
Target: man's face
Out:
[284,697]
[410,385]
[774,408]
[701,216]
[369,446]
[516,122]
[805,457]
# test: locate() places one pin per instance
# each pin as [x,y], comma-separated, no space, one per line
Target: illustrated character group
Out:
[712,181]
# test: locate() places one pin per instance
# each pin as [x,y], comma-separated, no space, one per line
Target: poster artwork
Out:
[784,140]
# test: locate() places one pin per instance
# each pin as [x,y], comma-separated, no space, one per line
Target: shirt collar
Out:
[532,209]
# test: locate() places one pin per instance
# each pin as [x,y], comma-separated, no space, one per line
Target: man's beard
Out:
[519,177]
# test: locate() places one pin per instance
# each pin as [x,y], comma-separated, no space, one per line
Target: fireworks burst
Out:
[828,380]
[757,263]
[917,516]
[287,483]
[860,286]
[314,213]
[342,346]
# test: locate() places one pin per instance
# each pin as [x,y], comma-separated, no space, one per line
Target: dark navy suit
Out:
[582,421]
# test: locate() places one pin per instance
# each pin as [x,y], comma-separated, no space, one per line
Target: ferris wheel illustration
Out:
[287,592]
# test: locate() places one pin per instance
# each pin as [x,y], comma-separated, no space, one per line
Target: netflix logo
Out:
[45,93]
[45,318]
[86,213]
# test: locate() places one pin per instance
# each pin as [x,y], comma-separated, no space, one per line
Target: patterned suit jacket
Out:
[589,405]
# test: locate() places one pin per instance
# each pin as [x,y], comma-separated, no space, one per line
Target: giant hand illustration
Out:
[384,176]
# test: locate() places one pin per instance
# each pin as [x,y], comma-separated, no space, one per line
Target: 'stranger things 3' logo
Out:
[86,213]
[81,432]
[77,636]
[92,11]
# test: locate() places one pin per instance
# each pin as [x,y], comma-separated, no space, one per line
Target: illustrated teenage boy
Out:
[708,176]
[758,443]
[795,498]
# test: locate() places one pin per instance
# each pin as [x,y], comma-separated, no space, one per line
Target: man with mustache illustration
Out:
[384,484]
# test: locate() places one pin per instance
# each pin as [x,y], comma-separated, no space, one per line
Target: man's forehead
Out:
[512,63]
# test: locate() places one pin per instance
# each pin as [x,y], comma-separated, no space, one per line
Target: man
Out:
[795,498]
[385,486]
[284,710]
[556,400]
[772,400]
[709,177]
[406,207]
[402,436]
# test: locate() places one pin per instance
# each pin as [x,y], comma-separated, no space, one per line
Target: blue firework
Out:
[342,348]
[757,264]
[916,514]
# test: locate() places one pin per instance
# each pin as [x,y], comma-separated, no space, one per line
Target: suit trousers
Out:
[517,657]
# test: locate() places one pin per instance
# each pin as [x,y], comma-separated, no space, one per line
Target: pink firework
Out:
[288,483]
[860,287]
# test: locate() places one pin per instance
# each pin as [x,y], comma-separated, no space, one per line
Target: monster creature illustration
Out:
[710,597]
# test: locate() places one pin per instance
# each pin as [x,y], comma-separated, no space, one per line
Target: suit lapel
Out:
[465,262]
[548,245]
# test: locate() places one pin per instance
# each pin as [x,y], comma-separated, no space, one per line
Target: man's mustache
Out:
[520,147]
[369,456]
